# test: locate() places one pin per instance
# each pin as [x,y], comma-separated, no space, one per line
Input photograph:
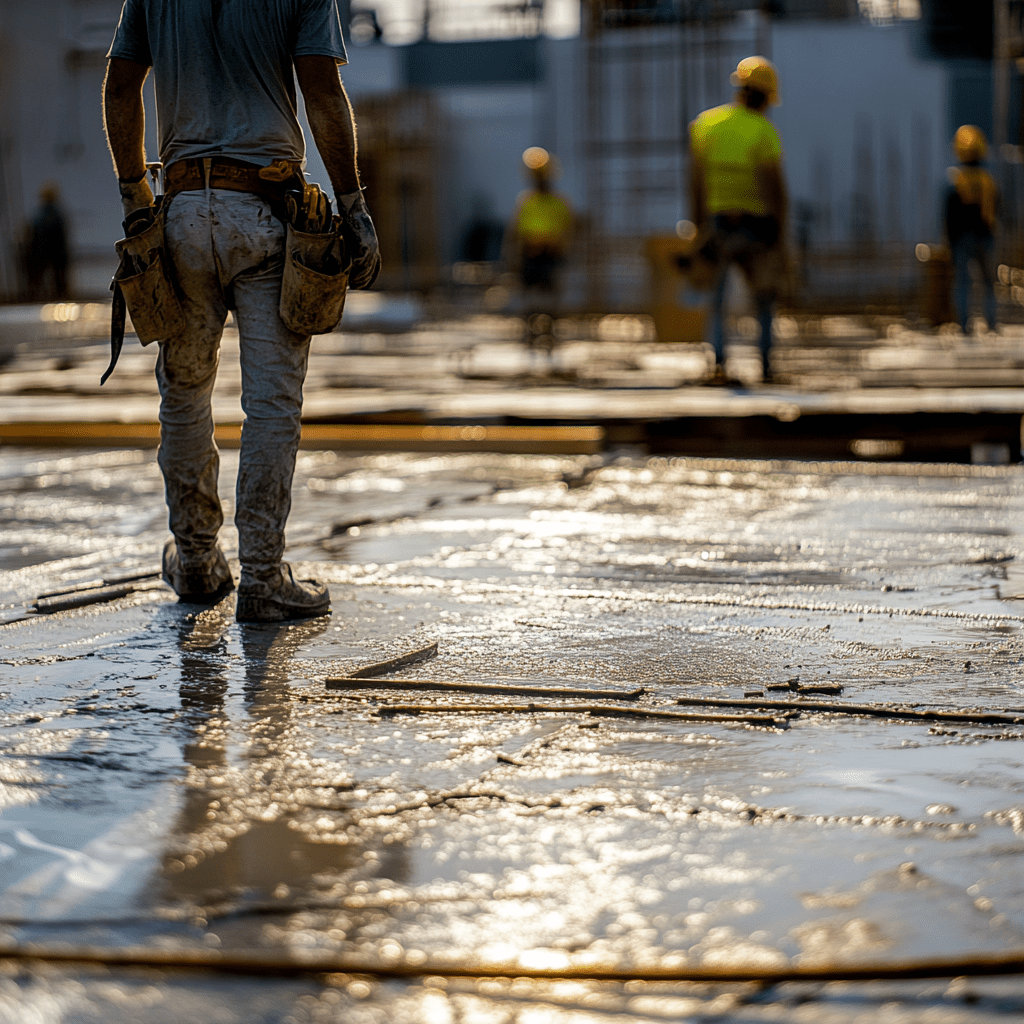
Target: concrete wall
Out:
[52,74]
[489,127]
[864,128]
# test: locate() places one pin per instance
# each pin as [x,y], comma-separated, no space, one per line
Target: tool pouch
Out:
[315,281]
[145,281]
[142,284]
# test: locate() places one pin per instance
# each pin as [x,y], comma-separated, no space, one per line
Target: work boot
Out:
[280,597]
[205,582]
[722,378]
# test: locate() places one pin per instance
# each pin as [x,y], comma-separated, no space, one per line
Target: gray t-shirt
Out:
[223,68]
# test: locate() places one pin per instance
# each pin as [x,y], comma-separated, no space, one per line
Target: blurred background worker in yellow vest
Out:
[971,223]
[738,198]
[539,238]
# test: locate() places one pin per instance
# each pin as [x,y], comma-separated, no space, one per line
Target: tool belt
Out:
[189,175]
[315,277]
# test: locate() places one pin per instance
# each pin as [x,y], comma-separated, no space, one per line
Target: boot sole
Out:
[207,597]
[262,609]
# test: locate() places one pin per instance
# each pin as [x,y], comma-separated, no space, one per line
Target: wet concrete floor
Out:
[174,780]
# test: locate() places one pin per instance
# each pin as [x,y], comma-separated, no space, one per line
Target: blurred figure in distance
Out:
[47,250]
[738,199]
[538,240]
[482,240]
[971,223]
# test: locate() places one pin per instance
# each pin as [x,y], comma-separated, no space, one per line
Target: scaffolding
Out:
[1008,47]
[651,66]
[400,138]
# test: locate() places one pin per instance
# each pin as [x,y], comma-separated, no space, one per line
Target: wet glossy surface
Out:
[173,779]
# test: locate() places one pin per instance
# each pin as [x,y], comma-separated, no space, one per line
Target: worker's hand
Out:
[135,195]
[360,239]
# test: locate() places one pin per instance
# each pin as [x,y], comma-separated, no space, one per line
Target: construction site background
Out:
[449,94]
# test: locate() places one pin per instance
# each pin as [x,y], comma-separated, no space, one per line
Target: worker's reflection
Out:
[234,842]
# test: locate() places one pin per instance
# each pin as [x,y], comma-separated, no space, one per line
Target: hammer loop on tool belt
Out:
[136,223]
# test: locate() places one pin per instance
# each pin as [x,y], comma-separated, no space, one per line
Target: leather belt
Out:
[189,175]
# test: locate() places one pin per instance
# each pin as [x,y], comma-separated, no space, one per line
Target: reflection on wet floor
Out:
[173,779]
[217,857]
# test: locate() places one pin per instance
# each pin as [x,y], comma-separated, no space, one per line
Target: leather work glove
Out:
[360,239]
[135,195]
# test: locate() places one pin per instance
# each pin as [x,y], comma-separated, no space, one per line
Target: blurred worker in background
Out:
[482,240]
[971,223]
[46,252]
[232,147]
[738,199]
[538,240]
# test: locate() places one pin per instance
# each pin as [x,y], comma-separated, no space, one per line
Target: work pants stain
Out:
[227,252]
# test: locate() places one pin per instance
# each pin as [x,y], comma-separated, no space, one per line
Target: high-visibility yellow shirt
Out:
[544,218]
[731,141]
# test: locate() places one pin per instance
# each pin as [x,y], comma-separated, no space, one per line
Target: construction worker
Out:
[738,198]
[971,223]
[538,240]
[47,250]
[231,146]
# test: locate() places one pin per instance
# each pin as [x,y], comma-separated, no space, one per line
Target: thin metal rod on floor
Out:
[870,710]
[577,709]
[249,963]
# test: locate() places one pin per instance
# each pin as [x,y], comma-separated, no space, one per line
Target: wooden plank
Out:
[381,668]
[511,689]
[582,439]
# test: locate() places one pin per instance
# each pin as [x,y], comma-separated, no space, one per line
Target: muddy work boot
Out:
[205,582]
[280,597]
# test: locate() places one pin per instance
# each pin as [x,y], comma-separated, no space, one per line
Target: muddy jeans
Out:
[227,252]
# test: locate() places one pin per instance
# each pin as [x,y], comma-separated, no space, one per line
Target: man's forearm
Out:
[124,118]
[334,132]
[330,119]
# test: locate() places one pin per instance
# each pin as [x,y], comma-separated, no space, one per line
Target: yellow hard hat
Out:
[540,163]
[970,143]
[537,159]
[757,73]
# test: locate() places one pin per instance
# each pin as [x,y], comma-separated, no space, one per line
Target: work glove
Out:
[135,195]
[360,239]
